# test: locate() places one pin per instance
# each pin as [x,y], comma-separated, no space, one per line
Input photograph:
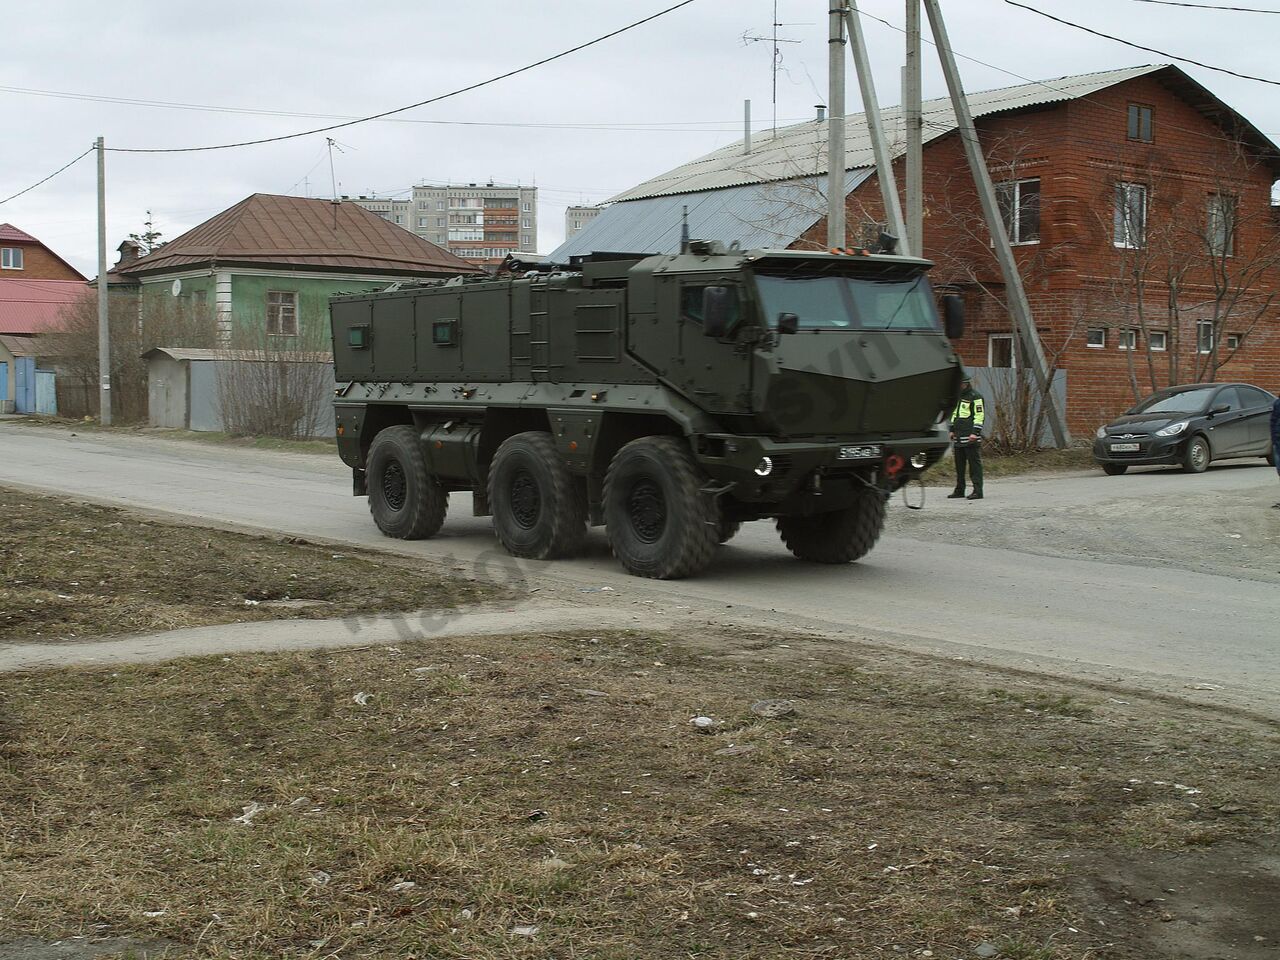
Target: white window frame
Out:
[1224,246]
[1155,337]
[1013,225]
[1013,349]
[281,314]
[1122,235]
[1088,337]
[11,258]
[1127,338]
[1201,347]
[526,206]
[1234,341]
[1151,123]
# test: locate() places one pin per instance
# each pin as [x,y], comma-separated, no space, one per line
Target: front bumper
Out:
[1152,450]
[732,460]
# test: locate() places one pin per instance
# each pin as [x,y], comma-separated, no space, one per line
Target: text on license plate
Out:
[1125,448]
[863,451]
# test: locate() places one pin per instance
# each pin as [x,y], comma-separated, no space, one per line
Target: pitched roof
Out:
[801,149]
[756,215]
[33,306]
[11,233]
[267,230]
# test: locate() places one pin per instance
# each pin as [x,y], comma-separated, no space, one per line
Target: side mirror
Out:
[1220,408]
[788,323]
[953,316]
[717,304]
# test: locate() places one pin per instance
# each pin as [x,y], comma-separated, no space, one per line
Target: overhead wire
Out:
[49,177]
[1048,85]
[411,106]
[1208,6]
[1139,46]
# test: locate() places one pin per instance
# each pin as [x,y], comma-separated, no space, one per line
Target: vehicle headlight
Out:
[1173,429]
[1102,432]
[764,467]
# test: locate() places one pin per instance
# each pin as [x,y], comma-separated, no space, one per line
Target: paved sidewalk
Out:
[270,636]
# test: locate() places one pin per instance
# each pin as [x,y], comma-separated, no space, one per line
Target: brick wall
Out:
[1076,277]
[38,263]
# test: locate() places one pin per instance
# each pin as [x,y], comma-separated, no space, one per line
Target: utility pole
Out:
[104,326]
[914,120]
[875,125]
[746,126]
[1019,306]
[835,125]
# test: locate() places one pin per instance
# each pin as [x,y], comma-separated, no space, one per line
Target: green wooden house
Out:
[261,272]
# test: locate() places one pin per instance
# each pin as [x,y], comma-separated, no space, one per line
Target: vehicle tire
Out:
[840,536]
[660,524]
[1196,457]
[538,510]
[728,529]
[406,501]
[1114,469]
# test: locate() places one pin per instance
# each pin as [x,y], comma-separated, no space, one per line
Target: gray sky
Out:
[582,128]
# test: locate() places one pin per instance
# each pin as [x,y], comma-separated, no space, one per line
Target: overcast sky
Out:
[582,128]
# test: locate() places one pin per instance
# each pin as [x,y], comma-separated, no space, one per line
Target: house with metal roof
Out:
[262,271]
[1098,176]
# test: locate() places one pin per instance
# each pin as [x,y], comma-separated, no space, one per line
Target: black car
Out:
[1191,426]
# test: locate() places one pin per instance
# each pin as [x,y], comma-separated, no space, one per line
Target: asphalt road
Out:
[1209,638]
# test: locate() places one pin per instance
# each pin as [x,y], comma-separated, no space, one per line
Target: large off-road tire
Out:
[727,529]
[406,501]
[1114,469]
[1196,457]
[538,510]
[659,522]
[840,536]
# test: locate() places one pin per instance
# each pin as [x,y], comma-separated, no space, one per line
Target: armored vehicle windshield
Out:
[849,303]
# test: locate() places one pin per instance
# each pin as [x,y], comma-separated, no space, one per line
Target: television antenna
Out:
[774,40]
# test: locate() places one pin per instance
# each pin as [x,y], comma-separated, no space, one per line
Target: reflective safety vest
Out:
[969,415]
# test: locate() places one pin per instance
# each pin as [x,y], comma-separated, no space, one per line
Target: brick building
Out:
[23,257]
[1140,205]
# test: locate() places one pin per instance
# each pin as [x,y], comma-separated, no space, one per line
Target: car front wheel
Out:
[1114,469]
[1195,459]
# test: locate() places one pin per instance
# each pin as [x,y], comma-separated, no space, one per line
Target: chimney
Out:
[822,111]
[130,250]
[746,126]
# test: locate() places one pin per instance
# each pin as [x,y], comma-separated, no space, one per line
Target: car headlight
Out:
[1102,432]
[1173,429]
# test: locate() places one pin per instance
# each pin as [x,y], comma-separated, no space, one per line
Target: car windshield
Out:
[844,303]
[1184,401]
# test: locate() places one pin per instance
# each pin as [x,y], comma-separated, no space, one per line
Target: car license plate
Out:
[865,451]
[1125,447]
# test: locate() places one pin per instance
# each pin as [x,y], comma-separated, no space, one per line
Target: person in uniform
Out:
[966,433]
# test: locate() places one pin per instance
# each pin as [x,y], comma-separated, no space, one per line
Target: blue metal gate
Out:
[46,393]
[4,385]
[24,400]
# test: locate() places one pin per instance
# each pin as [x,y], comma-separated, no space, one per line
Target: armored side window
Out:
[691,303]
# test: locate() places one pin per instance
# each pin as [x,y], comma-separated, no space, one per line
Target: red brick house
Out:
[1139,202]
[23,257]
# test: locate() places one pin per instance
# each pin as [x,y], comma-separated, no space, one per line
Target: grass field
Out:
[71,570]
[548,796]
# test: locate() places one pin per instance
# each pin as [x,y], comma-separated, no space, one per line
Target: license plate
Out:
[866,451]
[1125,447]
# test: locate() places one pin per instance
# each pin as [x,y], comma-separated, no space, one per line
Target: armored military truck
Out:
[667,398]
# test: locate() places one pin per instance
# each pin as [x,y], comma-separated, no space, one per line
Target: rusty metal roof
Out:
[266,230]
[801,149]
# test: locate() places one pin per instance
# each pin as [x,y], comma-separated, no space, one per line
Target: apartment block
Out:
[575,218]
[480,222]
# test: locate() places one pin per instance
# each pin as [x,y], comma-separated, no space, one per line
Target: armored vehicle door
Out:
[713,372]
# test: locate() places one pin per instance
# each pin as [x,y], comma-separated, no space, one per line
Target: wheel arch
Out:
[376,418]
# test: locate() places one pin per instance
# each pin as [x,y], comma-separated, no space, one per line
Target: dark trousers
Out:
[969,455]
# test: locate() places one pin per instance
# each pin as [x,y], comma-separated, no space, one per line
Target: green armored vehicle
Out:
[668,398]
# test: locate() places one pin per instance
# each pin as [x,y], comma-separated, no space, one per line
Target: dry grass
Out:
[71,570]
[998,466]
[555,781]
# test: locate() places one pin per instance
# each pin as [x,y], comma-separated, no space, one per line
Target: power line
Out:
[49,177]
[672,126]
[1138,46]
[1208,6]
[1049,86]
[412,106]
